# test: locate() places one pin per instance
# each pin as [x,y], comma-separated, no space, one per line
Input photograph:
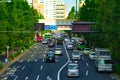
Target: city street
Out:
[32,66]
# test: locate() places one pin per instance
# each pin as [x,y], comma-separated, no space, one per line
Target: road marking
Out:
[28,60]
[16,78]
[43,60]
[87,64]
[86,73]
[23,67]
[58,74]
[32,55]
[49,78]
[82,58]
[112,76]
[41,67]
[21,61]
[37,77]
[35,60]
[26,78]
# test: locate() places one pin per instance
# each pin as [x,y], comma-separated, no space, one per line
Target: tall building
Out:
[60,10]
[50,9]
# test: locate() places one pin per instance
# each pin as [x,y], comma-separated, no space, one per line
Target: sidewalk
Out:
[6,65]
[116,76]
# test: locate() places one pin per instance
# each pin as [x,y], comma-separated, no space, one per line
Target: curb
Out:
[116,76]
[5,66]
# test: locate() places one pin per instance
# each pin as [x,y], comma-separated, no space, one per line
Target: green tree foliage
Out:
[71,14]
[89,11]
[16,23]
[107,16]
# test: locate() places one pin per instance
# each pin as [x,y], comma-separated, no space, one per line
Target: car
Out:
[69,45]
[76,55]
[51,44]
[58,51]
[92,54]
[50,56]
[73,69]
[86,51]
[44,41]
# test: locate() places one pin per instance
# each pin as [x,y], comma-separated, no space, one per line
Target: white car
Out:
[92,55]
[44,41]
[69,46]
[73,69]
[58,51]
[76,55]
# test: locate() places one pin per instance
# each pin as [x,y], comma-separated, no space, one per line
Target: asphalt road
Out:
[32,66]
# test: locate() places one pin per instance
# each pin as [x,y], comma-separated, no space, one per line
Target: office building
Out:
[60,10]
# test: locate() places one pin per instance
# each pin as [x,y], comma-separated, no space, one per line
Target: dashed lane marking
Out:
[41,67]
[23,68]
[16,78]
[86,73]
[37,77]
[26,78]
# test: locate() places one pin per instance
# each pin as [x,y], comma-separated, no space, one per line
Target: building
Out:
[60,10]
[82,2]
[50,9]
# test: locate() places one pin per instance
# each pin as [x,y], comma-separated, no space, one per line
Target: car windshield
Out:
[76,53]
[92,53]
[73,66]
[50,54]
[87,49]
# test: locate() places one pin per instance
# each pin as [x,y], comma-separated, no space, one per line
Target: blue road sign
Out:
[50,27]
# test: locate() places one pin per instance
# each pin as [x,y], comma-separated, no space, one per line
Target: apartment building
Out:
[60,10]
[50,9]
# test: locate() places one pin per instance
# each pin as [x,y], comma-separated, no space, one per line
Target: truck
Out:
[103,60]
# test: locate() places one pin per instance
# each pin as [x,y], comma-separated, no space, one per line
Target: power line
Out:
[16,31]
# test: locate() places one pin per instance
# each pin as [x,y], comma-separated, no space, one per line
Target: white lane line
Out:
[41,67]
[58,74]
[16,78]
[35,60]
[86,73]
[82,58]
[28,60]
[23,67]
[112,76]
[26,78]
[43,60]
[87,64]
[32,55]
[21,61]
[49,78]
[37,77]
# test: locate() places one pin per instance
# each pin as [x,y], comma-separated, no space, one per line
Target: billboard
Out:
[39,26]
[50,27]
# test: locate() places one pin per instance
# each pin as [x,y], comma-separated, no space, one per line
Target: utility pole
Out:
[76,11]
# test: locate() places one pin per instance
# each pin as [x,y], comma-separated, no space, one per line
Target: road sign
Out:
[50,27]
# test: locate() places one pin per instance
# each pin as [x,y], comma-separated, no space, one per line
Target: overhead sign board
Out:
[50,27]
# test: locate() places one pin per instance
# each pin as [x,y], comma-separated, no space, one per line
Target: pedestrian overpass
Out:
[70,24]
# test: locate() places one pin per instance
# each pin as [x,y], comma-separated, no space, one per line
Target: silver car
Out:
[44,41]
[58,51]
[76,55]
[73,69]
[69,45]
[92,55]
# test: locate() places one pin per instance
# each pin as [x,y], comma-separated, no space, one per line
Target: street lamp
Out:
[7,51]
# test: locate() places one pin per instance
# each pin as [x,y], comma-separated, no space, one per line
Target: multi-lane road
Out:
[32,66]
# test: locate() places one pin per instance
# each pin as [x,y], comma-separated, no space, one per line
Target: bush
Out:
[26,46]
[117,68]
[1,65]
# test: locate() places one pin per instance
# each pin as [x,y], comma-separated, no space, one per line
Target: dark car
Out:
[51,44]
[50,56]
